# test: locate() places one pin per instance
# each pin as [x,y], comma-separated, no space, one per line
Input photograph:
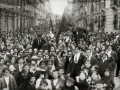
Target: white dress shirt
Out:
[20,67]
[55,81]
[7,81]
[39,81]
[76,57]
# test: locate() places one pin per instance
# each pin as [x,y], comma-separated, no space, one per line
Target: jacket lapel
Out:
[4,82]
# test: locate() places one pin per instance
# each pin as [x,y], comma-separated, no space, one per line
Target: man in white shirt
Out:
[7,82]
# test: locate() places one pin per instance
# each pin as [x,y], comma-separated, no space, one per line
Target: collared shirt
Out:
[70,58]
[76,57]
[55,81]
[104,59]
[20,67]
[7,81]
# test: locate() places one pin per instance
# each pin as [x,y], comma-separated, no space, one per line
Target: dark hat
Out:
[99,82]
[43,62]
[43,82]
[26,64]
[60,67]
[107,70]
[70,79]
[5,68]
[39,35]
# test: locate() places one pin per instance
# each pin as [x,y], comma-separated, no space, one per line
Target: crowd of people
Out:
[88,63]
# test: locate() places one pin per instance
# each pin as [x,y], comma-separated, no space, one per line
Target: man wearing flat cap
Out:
[38,42]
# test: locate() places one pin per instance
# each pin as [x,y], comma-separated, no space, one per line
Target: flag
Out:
[92,12]
[64,26]
[51,25]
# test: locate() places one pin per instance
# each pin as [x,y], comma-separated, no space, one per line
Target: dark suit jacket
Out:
[118,54]
[27,86]
[38,45]
[52,83]
[114,55]
[12,83]
[17,68]
[93,61]
[77,66]
[70,66]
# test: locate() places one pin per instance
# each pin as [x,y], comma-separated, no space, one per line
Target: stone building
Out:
[21,14]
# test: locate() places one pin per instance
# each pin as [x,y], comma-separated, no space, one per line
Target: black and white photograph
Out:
[59,44]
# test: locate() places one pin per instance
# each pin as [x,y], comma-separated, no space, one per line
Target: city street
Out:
[59,44]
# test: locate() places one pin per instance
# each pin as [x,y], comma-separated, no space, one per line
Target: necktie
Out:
[76,58]
[38,41]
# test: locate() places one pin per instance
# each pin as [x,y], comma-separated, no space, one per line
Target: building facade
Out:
[97,15]
[21,14]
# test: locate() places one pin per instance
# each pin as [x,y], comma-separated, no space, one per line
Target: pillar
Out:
[9,23]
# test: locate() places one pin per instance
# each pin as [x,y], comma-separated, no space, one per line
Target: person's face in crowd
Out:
[59,47]
[97,49]
[26,68]
[103,48]
[43,65]
[32,80]
[13,60]
[6,73]
[70,54]
[94,76]
[77,50]
[30,51]
[99,86]
[107,43]
[35,50]
[61,72]
[87,64]
[11,51]
[49,65]
[52,49]
[60,41]
[55,74]
[33,64]
[41,50]
[73,46]
[88,53]
[109,48]
[68,83]
[52,52]
[2,44]
[21,61]
[21,53]
[43,86]
[64,55]
[7,42]
[1,62]
[46,52]
[98,43]
[52,58]
[3,53]
[82,76]
[46,57]
[15,50]
[39,54]
[107,73]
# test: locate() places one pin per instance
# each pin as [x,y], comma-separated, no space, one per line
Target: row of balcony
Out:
[36,1]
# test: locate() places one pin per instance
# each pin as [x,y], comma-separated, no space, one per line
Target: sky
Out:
[58,6]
